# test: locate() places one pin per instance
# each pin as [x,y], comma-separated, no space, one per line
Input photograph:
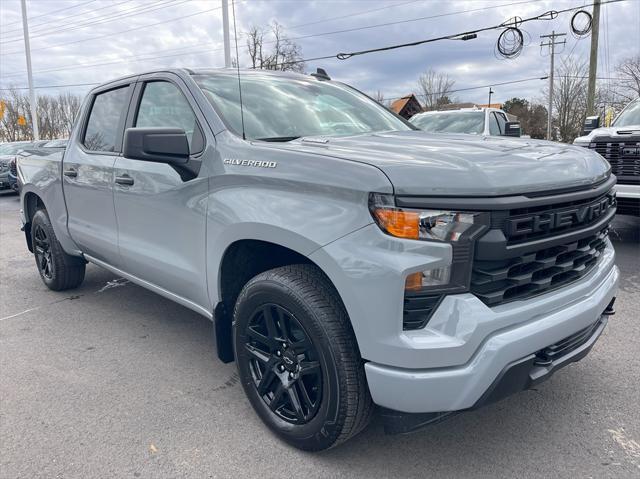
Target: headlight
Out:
[433,225]
[459,228]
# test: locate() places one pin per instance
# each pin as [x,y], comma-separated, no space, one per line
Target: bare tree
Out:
[283,55]
[378,96]
[435,89]
[56,115]
[629,73]
[570,98]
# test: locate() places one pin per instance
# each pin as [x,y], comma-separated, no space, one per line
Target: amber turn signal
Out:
[399,223]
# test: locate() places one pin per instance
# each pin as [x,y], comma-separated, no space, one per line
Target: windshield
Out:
[11,148]
[451,122]
[629,116]
[285,108]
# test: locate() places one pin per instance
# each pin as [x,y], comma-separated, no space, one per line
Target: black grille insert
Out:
[418,310]
[530,274]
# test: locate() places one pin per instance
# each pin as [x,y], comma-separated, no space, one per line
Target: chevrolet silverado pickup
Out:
[349,262]
[619,144]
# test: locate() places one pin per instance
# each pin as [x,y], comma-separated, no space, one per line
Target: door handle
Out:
[124,180]
[71,172]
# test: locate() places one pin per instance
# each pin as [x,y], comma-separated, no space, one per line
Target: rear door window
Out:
[105,120]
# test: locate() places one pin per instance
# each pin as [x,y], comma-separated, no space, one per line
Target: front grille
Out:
[567,345]
[545,216]
[624,156]
[521,277]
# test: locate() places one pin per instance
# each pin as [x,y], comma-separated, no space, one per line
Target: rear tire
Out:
[298,359]
[58,270]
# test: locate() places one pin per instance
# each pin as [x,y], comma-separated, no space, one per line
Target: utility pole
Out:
[593,59]
[491,92]
[225,33]
[32,95]
[552,45]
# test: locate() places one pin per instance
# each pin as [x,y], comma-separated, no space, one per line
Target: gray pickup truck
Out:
[345,259]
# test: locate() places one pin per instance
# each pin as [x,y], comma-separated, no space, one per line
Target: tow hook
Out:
[610,310]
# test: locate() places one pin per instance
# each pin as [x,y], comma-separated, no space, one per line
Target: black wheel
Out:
[58,270]
[298,359]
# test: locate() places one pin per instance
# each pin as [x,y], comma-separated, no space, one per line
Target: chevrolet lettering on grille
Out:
[550,221]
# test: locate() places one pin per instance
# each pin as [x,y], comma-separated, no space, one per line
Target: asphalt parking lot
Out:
[113,381]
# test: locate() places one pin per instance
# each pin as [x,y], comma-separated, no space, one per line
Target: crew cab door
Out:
[161,212]
[88,173]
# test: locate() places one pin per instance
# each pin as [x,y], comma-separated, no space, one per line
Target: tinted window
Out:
[292,106]
[104,120]
[164,105]
[451,122]
[629,116]
[494,127]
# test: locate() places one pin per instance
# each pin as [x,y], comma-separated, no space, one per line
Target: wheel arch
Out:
[242,260]
[31,203]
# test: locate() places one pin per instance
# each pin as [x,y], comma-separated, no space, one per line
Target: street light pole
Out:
[490,93]
[225,33]
[27,49]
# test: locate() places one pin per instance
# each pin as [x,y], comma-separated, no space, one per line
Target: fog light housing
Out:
[436,277]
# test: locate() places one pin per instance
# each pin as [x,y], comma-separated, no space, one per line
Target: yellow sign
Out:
[3,107]
[608,117]
[22,121]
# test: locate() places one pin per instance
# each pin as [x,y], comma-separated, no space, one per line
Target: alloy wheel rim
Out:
[42,248]
[284,364]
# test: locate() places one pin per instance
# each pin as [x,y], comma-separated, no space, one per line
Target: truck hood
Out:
[611,131]
[420,163]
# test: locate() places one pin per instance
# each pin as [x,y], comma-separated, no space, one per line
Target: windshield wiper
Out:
[279,138]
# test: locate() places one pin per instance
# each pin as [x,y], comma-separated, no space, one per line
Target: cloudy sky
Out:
[77,42]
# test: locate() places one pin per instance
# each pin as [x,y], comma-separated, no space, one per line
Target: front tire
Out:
[298,359]
[58,270]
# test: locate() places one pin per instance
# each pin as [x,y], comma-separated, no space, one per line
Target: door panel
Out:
[89,198]
[161,217]
[161,227]
[88,174]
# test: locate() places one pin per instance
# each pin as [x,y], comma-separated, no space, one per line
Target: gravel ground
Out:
[113,381]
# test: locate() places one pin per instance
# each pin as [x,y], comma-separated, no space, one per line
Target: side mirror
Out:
[590,123]
[160,145]
[512,128]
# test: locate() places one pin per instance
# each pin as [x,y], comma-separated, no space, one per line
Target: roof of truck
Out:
[206,71]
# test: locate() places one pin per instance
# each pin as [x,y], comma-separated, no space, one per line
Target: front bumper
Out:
[517,376]
[447,389]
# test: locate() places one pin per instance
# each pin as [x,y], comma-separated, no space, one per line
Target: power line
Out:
[52,12]
[409,20]
[516,22]
[302,37]
[75,15]
[119,32]
[349,15]
[50,86]
[294,38]
[126,14]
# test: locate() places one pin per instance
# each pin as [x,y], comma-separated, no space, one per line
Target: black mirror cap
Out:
[590,123]
[160,145]
[512,128]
